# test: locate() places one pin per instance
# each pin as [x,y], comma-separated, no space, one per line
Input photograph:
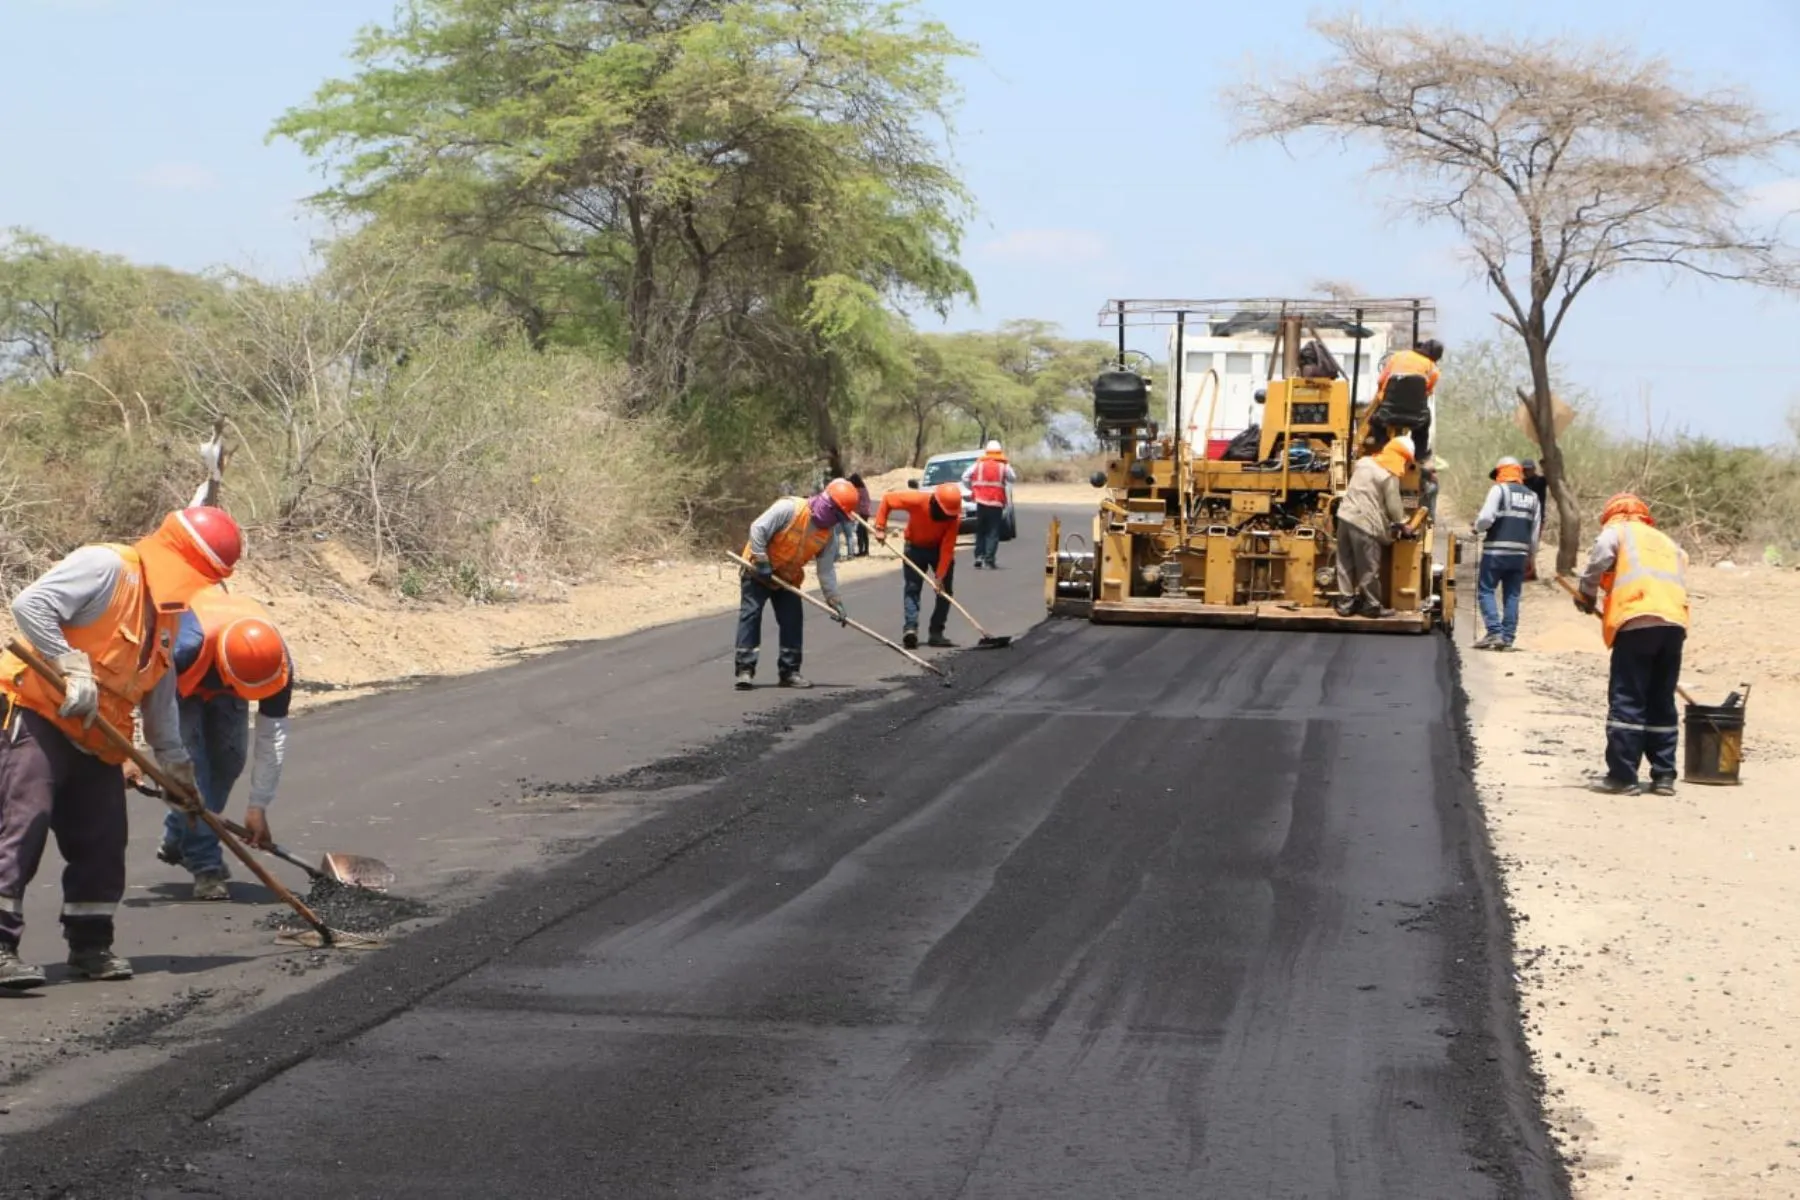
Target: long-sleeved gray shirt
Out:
[1372,501]
[776,518]
[75,592]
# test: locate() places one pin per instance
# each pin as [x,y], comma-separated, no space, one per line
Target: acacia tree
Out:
[1558,163]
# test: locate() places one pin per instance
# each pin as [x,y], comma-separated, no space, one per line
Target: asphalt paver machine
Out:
[1196,529]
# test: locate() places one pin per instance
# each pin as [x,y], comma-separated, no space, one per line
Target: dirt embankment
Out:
[1659,955]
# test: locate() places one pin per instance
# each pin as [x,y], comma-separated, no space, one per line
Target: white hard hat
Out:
[1405,442]
[993,447]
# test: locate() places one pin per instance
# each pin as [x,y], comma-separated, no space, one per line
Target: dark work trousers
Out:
[789,615]
[1641,721]
[862,537]
[1358,571]
[48,786]
[913,587]
[216,732]
[989,518]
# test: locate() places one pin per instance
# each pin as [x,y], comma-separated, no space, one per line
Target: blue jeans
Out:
[988,520]
[1507,577]
[1641,717]
[216,733]
[913,587]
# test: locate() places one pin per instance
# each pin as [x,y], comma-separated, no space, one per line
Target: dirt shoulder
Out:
[1658,958]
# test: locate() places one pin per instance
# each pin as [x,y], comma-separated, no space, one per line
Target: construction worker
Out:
[988,479]
[789,534]
[1644,575]
[1420,362]
[228,655]
[107,615]
[1540,487]
[1511,520]
[932,519]
[1369,517]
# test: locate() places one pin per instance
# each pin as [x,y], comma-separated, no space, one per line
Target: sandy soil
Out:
[1659,953]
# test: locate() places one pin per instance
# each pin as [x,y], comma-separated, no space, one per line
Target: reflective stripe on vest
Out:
[988,483]
[1510,534]
[215,609]
[114,643]
[796,545]
[1648,579]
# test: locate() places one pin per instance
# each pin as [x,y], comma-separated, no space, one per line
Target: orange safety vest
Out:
[216,609]
[115,644]
[1648,579]
[792,548]
[1408,362]
[988,483]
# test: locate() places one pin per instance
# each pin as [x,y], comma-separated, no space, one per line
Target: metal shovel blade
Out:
[994,643]
[357,870]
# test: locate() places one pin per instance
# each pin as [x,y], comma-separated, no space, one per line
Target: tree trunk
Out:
[918,450]
[821,378]
[1543,415]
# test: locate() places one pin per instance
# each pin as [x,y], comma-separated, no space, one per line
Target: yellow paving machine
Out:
[1226,514]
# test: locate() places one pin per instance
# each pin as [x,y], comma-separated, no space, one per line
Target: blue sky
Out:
[1092,136]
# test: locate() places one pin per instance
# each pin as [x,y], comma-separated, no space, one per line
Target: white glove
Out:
[212,453]
[81,694]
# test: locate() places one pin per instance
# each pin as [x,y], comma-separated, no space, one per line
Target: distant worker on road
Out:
[932,519]
[790,533]
[1540,487]
[1370,516]
[1645,623]
[107,616]
[1420,363]
[1513,521]
[988,479]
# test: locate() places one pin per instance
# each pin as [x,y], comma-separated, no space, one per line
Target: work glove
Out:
[81,694]
[1586,603]
[881,536]
[838,611]
[762,568]
[187,792]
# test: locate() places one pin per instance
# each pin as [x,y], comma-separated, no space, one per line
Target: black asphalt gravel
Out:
[1128,913]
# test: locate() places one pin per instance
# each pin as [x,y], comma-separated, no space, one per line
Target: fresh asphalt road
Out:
[1126,913]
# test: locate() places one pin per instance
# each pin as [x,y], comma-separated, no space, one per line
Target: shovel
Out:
[988,641]
[1575,592]
[181,800]
[896,647]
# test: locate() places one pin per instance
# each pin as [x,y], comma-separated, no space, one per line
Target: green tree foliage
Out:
[734,178]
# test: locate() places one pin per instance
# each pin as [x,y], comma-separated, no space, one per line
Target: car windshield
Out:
[946,470]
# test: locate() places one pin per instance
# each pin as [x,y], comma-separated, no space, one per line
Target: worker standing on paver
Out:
[1422,363]
[790,533]
[228,655]
[988,478]
[1511,520]
[932,519]
[1645,622]
[1369,517]
[107,616]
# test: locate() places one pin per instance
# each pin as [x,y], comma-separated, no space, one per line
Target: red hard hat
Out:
[949,497]
[214,541]
[252,659]
[843,494]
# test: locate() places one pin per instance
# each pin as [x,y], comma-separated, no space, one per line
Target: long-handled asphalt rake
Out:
[186,802]
[988,641]
[896,647]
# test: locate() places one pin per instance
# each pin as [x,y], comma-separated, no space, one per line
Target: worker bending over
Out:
[107,616]
[1369,517]
[932,519]
[1645,621]
[788,535]
[988,478]
[228,655]
[1512,520]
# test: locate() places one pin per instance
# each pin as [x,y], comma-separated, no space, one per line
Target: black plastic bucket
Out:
[1715,744]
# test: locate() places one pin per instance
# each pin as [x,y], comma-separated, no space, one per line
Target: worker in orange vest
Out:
[988,478]
[1421,363]
[932,519]
[228,655]
[789,534]
[107,615]
[1646,616]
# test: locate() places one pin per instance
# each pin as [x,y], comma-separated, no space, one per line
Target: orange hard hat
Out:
[949,498]
[1625,506]
[843,494]
[251,658]
[211,541]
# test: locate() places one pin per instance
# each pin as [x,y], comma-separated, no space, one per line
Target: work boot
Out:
[1606,785]
[910,639]
[170,852]
[210,885]
[1662,787]
[1344,609]
[940,641]
[16,976]
[99,963]
[796,680]
[1505,646]
[978,564]
[1488,642]
[746,678]
[1377,613]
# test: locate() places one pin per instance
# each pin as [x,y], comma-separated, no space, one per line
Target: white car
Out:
[949,468]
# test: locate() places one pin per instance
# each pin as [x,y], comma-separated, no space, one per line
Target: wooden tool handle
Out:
[178,796]
[928,577]
[784,585]
[1598,616]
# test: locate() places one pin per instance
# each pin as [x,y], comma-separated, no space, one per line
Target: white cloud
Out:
[1776,199]
[177,177]
[1050,247]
